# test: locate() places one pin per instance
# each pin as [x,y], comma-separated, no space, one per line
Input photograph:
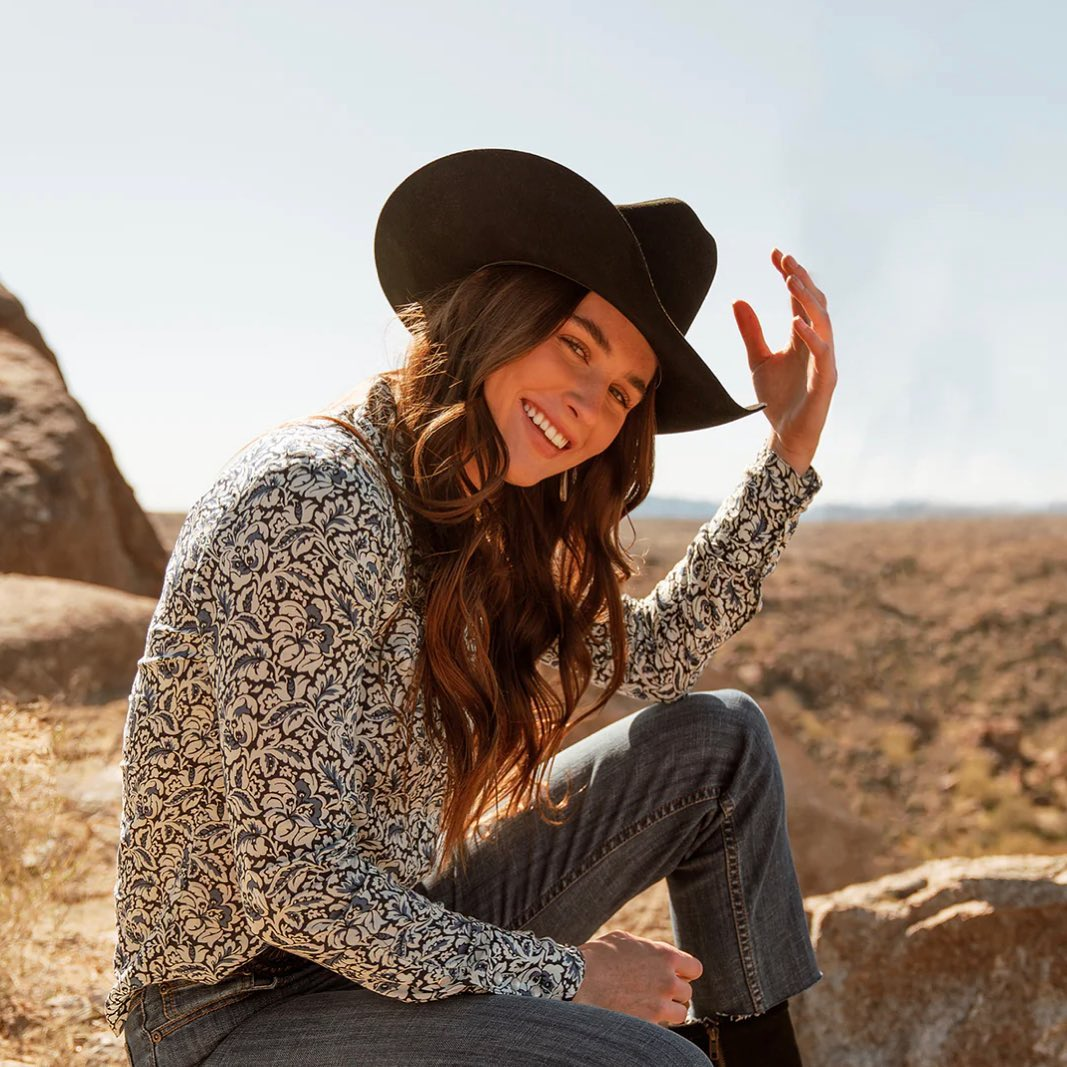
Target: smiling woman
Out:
[566,399]
[346,795]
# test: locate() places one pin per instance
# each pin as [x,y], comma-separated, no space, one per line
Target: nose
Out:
[582,401]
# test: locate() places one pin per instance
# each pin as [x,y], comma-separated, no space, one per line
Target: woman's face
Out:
[579,385]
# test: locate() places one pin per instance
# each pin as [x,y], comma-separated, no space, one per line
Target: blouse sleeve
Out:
[300,585]
[713,590]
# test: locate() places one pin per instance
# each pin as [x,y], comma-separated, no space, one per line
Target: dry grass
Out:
[50,997]
[32,864]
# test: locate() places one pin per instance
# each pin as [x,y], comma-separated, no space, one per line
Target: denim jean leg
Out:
[689,791]
[760,920]
[322,1019]
[179,1023]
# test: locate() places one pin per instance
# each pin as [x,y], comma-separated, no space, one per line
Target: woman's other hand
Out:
[795,383]
[648,979]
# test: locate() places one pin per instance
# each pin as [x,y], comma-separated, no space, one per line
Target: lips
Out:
[523,402]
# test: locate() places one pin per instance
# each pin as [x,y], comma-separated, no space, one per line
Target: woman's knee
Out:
[718,714]
[727,726]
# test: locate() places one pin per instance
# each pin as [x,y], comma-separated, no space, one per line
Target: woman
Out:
[346,814]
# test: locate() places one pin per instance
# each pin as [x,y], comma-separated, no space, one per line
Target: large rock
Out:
[65,510]
[68,641]
[956,962]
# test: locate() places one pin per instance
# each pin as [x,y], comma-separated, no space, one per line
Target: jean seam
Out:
[136,997]
[609,846]
[147,1033]
[168,1028]
[737,904]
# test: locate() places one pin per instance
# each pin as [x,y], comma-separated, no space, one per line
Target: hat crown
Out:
[652,260]
[680,254]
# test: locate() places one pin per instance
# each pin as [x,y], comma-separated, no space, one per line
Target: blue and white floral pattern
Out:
[268,795]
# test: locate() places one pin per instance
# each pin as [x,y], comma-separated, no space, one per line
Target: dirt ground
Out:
[913,672]
[62,957]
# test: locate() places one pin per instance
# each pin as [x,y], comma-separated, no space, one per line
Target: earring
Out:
[564,479]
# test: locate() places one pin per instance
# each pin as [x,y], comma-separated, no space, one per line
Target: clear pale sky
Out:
[188,195]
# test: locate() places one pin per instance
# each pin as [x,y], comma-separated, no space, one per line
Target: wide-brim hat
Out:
[652,260]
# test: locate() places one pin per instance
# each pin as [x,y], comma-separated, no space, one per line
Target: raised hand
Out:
[796,382]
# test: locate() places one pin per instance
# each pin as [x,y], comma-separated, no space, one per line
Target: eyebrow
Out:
[594,331]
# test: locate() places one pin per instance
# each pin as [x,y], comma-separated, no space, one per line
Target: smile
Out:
[544,424]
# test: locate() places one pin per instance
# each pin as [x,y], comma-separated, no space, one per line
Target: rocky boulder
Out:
[956,962]
[65,509]
[68,641]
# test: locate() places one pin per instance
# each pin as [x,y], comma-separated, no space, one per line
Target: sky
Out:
[188,196]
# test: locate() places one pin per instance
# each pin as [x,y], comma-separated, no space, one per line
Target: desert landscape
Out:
[914,674]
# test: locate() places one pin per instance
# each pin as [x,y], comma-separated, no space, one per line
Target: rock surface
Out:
[65,510]
[68,641]
[955,962]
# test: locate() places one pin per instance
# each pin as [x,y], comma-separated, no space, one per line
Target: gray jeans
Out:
[690,791]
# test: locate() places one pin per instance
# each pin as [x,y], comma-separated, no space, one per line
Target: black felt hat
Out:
[652,260]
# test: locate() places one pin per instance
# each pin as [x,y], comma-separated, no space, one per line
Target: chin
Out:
[527,479]
[524,483]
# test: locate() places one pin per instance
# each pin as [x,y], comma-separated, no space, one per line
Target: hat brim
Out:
[497,206]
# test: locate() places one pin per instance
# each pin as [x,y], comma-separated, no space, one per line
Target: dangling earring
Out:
[565,477]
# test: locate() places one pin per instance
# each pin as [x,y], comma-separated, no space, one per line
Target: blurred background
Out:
[189,194]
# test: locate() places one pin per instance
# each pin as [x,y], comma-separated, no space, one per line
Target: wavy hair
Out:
[512,574]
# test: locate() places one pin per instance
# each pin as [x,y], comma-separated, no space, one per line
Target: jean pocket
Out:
[182,1002]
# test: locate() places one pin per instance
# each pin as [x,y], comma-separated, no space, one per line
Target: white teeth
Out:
[541,420]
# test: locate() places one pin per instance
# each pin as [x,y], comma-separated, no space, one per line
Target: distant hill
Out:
[167,523]
[669,507]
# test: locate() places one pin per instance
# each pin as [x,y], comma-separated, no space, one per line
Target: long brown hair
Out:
[510,571]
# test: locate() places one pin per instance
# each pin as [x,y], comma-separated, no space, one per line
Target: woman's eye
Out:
[575,346]
[584,356]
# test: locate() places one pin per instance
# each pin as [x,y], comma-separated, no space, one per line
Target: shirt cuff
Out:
[557,975]
[573,973]
[797,490]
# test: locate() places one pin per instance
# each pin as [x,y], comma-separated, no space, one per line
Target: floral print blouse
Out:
[268,798]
